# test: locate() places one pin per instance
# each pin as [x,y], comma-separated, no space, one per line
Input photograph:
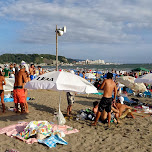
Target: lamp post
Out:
[59,32]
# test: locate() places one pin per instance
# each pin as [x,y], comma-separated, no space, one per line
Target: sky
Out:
[118,31]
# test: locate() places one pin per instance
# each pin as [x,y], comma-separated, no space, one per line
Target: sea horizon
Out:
[104,67]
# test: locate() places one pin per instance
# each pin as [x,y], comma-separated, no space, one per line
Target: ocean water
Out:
[124,67]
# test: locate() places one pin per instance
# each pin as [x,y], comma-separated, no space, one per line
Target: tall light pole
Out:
[56,49]
[59,32]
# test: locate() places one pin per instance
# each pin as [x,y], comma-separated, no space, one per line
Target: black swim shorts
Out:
[105,103]
[1,91]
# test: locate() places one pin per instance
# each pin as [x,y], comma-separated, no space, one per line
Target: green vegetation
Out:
[32,58]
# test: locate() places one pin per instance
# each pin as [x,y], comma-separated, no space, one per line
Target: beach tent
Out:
[140,69]
[147,78]
[128,81]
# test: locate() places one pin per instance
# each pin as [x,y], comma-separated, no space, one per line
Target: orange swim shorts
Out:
[19,96]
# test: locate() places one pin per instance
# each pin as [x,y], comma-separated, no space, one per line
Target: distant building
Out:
[91,62]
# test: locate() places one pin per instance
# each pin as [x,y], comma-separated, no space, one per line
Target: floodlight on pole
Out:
[59,32]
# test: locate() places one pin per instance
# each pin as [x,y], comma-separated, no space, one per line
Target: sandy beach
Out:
[132,135]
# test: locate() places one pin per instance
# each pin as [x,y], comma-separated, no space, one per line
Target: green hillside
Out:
[32,58]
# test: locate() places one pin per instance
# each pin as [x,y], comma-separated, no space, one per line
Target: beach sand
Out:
[132,135]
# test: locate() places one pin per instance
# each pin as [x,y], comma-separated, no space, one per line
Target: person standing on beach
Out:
[26,104]
[105,104]
[6,71]
[16,69]
[2,82]
[32,71]
[19,93]
[41,71]
[70,99]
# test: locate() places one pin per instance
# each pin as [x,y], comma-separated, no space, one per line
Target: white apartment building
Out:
[95,61]
[91,62]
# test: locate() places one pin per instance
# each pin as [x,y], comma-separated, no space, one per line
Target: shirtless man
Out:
[124,110]
[32,71]
[105,104]
[2,82]
[19,93]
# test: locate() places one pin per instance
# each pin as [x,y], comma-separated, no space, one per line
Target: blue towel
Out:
[99,93]
[12,99]
[125,99]
[53,140]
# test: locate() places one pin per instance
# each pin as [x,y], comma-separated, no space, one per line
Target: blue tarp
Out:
[12,99]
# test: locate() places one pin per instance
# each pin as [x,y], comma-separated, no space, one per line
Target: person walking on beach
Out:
[2,82]
[70,99]
[105,104]
[19,93]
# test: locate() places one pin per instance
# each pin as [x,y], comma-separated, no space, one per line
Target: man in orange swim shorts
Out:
[19,93]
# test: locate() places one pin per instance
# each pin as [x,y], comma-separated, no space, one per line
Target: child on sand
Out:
[2,82]
[95,107]
[70,99]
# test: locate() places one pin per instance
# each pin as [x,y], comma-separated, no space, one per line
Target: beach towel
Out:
[14,130]
[35,127]
[99,93]
[6,99]
[53,140]
[66,129]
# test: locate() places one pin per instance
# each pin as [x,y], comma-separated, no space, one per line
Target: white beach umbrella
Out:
[128,81]
[147,78]
[61,81]
[90,76]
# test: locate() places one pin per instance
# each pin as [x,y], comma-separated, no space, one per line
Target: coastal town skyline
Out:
[118,32]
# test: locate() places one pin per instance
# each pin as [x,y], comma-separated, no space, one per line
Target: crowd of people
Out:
[108,107]
[21,74]
[103,110]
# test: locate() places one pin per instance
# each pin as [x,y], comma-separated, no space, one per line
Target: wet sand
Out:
[132,135]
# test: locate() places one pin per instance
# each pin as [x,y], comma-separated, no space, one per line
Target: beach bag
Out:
[60,117]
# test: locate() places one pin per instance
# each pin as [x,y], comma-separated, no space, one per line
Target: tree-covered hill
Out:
[32,58]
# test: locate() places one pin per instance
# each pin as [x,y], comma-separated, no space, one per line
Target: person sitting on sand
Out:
[70,99]
[105,104]
[103,117]
[124,110]
[2,82]
[19,93]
